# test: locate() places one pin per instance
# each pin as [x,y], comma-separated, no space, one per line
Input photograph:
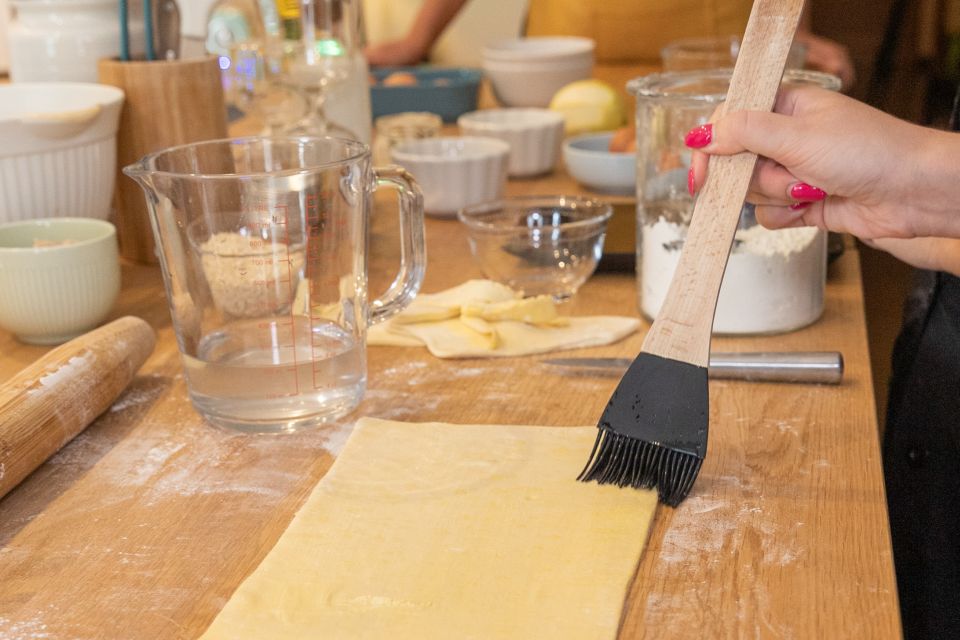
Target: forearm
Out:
[432,19]
[934,254]
[948,255]
[933,187]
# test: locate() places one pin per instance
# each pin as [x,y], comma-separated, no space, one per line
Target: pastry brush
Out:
[653,432]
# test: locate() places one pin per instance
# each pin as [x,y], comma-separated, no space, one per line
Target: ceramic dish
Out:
[590,163]
[454,172]
[448,92]
[540,48]
[58,278]
[534,136]
[527,72]
[58,156]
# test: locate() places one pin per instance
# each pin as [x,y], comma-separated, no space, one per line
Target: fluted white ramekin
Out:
[534,136]
[59,151]
[454,172]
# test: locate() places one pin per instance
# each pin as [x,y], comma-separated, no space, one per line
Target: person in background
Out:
[429,23]
[625,31]
[830,161]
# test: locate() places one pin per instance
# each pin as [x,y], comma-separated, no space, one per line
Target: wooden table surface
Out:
[144,525]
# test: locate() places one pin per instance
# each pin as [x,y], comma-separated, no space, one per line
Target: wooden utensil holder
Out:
[167,103]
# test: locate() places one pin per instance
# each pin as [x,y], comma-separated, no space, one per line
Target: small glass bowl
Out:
[538,244]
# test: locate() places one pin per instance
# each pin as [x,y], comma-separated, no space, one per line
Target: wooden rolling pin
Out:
[44,406]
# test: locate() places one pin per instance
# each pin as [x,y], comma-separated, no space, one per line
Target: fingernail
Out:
[804,191]
[691,181]
[699,137]
[797,206]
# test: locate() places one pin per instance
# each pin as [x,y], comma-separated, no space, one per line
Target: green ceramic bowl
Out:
[59,277]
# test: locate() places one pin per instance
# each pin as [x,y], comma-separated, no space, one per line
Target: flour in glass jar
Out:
[774,281]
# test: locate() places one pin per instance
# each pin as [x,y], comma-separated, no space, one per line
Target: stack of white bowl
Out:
[527,72]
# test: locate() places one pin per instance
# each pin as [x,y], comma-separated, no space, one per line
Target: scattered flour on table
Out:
[81,450]
[137,396]
[335,436]
[417,372]
[724,517]
[196,472]
[413,372]
[23,630]
[152,462]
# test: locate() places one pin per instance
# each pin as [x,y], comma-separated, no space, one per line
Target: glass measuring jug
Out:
[263,246]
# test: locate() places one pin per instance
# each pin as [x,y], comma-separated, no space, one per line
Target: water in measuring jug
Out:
[276,371]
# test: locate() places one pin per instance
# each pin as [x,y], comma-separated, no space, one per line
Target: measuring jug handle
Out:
[413,250]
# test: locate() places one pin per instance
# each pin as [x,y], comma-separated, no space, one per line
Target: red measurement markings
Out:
[316,225]
[279,218]
[280,334]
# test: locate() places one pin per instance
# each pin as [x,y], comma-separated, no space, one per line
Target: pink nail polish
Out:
[691,182]
[699,137]
[799,206]
[804,191]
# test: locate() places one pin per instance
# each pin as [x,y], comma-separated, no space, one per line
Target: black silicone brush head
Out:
[653,432]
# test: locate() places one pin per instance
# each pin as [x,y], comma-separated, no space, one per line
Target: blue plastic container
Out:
[447,92]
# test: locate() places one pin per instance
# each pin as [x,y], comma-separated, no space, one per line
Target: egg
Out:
[623,140]
[400,79]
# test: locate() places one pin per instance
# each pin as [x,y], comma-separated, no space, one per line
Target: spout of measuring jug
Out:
[141,175]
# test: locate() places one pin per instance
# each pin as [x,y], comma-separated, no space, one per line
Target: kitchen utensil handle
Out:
[44,406]
[413,251]
[824,367]
[683,327]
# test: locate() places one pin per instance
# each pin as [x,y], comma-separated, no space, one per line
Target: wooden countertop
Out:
[145,524]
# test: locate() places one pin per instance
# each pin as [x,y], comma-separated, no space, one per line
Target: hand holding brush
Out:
[653,432]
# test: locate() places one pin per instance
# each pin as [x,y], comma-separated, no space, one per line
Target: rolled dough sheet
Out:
[423,531]
[445,323]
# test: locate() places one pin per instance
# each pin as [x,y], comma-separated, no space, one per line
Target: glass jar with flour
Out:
[774,280]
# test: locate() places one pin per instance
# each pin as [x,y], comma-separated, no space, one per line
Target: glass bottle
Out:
[348,102]
[232,22]
[328,65]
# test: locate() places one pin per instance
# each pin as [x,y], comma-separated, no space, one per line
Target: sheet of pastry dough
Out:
[445,323]
[439,531]
[454,339]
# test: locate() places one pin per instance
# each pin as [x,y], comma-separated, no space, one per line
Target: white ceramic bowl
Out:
[526,72]
[539,48]
[58,277]
[59,152]
[534,136]
[533,84]
[590,163]
[454,172]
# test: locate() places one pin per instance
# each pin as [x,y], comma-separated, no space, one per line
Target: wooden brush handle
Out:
[44,406]
[683,326]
